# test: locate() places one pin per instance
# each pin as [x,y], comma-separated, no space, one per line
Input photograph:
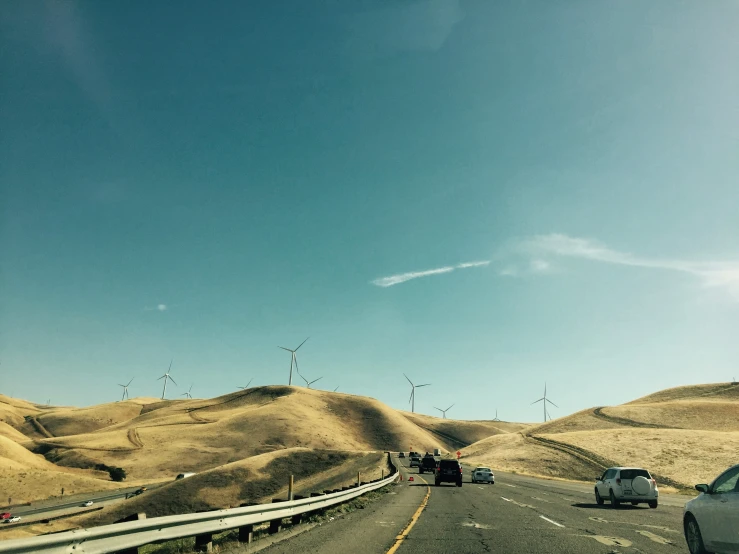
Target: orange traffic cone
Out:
[410,478]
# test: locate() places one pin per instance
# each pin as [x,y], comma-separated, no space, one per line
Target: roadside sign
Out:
[459,454]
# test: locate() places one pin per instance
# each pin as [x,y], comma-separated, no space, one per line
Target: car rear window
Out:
[633,473]
[447,464]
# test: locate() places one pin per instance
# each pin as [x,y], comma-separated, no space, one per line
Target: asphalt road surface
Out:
[517,514]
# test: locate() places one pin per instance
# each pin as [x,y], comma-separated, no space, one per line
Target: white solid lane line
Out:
[551,521]
[506,499]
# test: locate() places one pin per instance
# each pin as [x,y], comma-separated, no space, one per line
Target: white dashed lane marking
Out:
[551,521]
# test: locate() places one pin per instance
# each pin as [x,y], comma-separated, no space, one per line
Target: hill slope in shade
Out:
[685,435]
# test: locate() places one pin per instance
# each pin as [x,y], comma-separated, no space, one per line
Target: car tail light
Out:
[653,482]
[618,481]
[460,470]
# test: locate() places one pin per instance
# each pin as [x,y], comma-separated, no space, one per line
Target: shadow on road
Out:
[608,507]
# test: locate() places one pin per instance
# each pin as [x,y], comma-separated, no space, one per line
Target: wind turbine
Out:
[413,393]
[496,415]
[443,412]
[188,392]
[125,390]
[337,388]
[166,377]
[247,385]
[293,360]
[544,399]
[309,383]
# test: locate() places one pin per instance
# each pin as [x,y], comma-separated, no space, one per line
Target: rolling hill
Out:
[683,435]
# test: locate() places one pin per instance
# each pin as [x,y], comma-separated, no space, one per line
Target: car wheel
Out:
[693,536]
[652,504]
[436,483]
[420,471]
[614,503]
[598,498]
[634,503]
[459,483]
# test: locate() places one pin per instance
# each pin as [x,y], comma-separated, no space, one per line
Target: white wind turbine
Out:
[544,399]
[125,390]
[309,383]
[167,377]
[293,360]
[413,393]
[247,385]
[443,412]
[496,415]
[188,392]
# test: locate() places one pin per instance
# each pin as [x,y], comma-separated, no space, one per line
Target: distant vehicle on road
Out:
[184,475]
[13,519]
[626,484]
[5,515]
[483,475]
[401,454]
[437,451]
[415,461]
[88,503]
[428,464]
[139,491]
[710,519]
[449,471]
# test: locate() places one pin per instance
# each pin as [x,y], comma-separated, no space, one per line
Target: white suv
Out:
[710,519]
[626,484]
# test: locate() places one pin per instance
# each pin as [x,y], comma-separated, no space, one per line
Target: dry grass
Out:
[717,391]
[515,454]
[687,457]
[707,415]
[202,434]
[75,421]
[457,433]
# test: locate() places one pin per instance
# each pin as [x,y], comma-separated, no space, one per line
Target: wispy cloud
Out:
[711,273]
[157,308]
[403,277]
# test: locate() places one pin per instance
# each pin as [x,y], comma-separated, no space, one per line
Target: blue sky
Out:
[483,195]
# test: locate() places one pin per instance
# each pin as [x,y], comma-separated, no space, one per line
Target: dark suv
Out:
[449,471]
[428,463]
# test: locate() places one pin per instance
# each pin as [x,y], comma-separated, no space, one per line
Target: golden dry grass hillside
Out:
[683,435]
[194,435]
[460,433]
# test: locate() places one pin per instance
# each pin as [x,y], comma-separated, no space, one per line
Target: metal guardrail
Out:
[128,535]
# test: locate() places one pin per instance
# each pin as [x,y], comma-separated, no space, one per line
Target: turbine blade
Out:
[162,377]
[295,359]
[552,403]
[249,383]
[131,381]
[411,382]
[175,382]
[170,364]
[435,408]
[316,380]
[537,401]
[449,408]
[424,385]
[286,349]
[411,397]
[124,386]
[301,344]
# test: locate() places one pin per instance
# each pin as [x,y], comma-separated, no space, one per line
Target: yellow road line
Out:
[404,533]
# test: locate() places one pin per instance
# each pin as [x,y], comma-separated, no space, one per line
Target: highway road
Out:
[517,514]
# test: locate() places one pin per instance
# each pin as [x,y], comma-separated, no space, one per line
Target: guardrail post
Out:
[246,532]
[132,517]
[204,542]
[290,489]
[275,524]
[359,478]
[382,474]
[297,518]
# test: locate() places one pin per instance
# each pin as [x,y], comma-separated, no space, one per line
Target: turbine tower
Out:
[544,401]
[125,390]
[496,415]
[443,412]
[167,377]
[337,388]
[413,393]
[247,385]
[188,392]
[293,360]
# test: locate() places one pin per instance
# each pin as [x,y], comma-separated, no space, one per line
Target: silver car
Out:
[711,520]
[483,475]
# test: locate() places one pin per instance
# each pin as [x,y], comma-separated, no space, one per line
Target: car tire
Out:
[614,503]
[693,536]
[472,481]
[634,503]
[598,498]
[437,483]
[459,483]
[652,504]
[420,470]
